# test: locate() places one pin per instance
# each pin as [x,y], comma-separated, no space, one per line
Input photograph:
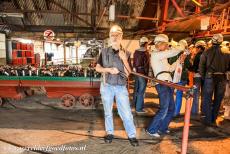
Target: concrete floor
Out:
[37,125]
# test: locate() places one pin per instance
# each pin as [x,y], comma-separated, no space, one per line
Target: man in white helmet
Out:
[162,71]
[113,64]
[141,65]
[213,66]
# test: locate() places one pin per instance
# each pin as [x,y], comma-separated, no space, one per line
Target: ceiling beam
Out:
[16,4]
[93,17]
[138,18]
[42,28]
[66,10]
[44,11]
[47,4]
[103,12]
[178,8]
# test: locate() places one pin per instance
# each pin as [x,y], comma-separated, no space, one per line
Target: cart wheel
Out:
[86,100]
[67,101]
[29,92]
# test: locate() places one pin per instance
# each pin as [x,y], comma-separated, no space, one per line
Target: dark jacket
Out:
[213,60]
[109,58]
[195,67]
[141,61]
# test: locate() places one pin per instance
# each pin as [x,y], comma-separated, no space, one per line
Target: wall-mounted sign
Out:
[49,35]
[204,23]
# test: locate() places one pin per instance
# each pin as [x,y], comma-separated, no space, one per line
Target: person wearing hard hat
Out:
[199,49]
[183,74]
[213,66]
[140,65]
[162,71]
[114,66]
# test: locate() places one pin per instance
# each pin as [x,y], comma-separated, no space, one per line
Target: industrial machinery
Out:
[61,81]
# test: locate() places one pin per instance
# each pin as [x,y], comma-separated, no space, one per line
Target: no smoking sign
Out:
[48,35]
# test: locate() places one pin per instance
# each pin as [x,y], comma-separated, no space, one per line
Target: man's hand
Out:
[182,58]
[113,70]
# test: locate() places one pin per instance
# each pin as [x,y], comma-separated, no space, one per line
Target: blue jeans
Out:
[178,102]
[139,91]
[108,92]
[211,107]
[165,114]
[196,96]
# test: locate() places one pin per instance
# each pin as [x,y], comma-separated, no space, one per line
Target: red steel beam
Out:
[178,8]
[198,7]
[165,15]
[139,18]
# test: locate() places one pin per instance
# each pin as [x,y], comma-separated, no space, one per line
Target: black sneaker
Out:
[108,138]
[133,141]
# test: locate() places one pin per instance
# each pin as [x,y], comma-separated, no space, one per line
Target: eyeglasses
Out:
[115,35]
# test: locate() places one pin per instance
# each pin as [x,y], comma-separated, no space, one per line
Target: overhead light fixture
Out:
[17,15]
[112,12]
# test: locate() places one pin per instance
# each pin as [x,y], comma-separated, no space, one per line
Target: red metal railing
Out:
[189,98]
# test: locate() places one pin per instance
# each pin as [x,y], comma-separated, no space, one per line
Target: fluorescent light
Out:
[18,15]
[25,41]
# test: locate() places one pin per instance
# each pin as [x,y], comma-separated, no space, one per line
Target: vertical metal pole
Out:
[64,53]
[198,7]
[76,55]
[45,53]
[186,125]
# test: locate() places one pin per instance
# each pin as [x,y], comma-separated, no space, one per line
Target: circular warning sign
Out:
[48,35]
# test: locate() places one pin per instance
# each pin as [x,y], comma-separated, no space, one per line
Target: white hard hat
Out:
[161,38]
[184,43]
[173,43]
[225,43]
[115,29]
[217,39]
[191,46]
[200,43]
[144,40]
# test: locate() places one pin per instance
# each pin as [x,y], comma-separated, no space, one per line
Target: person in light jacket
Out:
[162,71]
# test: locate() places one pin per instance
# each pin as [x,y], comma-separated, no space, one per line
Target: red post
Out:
[178,8]
[198,7]
[186,125]
[165,14]
[187,108]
